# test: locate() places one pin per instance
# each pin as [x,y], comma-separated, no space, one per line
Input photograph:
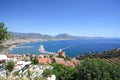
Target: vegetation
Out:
[97,69]
[4,35]
[89,69]
[103,55]
[25,59]
[108,54]
[9,66]
[62,72]
[1,47]
[47,73]
[27,75]
[34,60]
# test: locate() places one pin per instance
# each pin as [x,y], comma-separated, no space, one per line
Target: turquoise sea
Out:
[75,46]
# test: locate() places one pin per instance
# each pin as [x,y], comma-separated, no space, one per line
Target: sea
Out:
[72,48]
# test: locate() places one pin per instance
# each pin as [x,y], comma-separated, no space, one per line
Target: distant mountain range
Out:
[38,35]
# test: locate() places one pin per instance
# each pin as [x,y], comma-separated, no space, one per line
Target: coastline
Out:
[10,46]
[7,51]
[75,53]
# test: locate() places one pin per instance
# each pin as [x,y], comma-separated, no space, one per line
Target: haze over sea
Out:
[76,46]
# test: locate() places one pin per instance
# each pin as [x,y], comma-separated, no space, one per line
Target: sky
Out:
[92,18]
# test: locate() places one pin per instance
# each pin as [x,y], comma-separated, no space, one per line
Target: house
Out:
[61,53]
[21,64]
[44,60]
[66,63]
[3,58]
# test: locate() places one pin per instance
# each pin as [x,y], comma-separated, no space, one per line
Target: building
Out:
[66,63]
[44,60]
[3,58]
[61,53]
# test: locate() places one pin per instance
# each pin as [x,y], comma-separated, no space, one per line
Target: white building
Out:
[52,77]
[22,64]
[3,57]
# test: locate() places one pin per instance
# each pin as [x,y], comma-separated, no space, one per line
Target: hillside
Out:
[111,56]
[45,36]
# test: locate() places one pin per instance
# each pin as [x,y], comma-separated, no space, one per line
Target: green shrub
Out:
[62,72]
[9,66]
[97,69]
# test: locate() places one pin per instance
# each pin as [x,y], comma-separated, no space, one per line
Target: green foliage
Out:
[9,66]
[34,60]
[39,78]
[114,70]
[89,69]
[4,35]
[67,58]
[1,47]
[97,69]
[62,72]
[16,73]
[47,73]
[29,73]
[25,59]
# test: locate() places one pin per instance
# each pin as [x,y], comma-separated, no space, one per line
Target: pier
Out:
[24,47]
[42,50]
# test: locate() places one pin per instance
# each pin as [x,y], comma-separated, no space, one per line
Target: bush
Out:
[9,66]
[62,72]
[97,69]
[89,69]
[34,60]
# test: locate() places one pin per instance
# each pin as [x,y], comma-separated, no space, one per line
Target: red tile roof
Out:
[45,60]
[67,63]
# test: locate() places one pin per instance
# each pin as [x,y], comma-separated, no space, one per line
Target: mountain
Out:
[29,35]
[47,36]
[38,35]
[65,36]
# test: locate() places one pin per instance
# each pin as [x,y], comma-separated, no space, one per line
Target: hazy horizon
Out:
[67,34]
[91,18]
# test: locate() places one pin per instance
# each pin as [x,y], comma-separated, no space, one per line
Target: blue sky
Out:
[76,17]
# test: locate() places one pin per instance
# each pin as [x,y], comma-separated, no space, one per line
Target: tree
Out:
[9,66]
[47,73]
[94,69]
[4,35]
[115,72]
[61,71]
[34,59]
